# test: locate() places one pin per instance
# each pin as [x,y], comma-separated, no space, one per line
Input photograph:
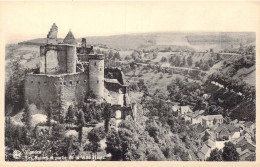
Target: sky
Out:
[28,20]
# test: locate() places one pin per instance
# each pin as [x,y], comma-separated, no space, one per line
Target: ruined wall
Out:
[62,58]
[61,90]
[71,59]
[52,64]
[96,77]
[74,88]
[58,59]
[114,73]
[40,89]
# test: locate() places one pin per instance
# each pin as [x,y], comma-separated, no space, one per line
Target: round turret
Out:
[96,74]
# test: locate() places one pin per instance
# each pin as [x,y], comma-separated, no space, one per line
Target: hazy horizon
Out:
[29,20]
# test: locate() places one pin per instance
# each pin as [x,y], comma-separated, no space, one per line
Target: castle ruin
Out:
[68,71]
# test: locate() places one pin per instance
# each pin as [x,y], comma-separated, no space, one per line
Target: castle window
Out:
[45,82]
[85,81]
[60,83]
[95,63]
[71,82]
[39,83]
[64,83]
[77,82]
[97,81]
[31,81]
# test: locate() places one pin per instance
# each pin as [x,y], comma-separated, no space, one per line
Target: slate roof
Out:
[201,155]
[70,39]
[212,117]
[195,114]
[204,149]
[248,124]
[210,143]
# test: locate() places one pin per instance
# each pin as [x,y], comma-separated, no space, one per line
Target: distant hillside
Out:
[197,41]
[38,41]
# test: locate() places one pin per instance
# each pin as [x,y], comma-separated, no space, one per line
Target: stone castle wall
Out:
[61,90]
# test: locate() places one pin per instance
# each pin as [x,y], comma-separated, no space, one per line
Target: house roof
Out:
[232,133]
[187,108]
[232,128]
[193,156]
[201,155]
[210,143]
[214,127]
[248,124]
[212,117]
[220,128]
[175,108]
[248,146]
[241,142]
[205,149]
[200,128]
[195,114]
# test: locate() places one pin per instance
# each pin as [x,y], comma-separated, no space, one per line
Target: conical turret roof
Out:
[70,39]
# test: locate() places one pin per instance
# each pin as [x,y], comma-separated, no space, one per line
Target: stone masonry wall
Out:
[61,90]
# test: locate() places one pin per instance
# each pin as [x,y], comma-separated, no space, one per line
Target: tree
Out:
[189,60]
[70,118]
[183,63]
[163,59]
[229,152]
[98,51]
[215,155]
[177,61]
[113,143]
[81,122]
[27,116]
[117,56]
[49,114]
[94,137]
[58,132]
[14,94]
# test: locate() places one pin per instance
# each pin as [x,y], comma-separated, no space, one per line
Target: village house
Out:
[182,110]
[225,132]
[249,127]
[194,117]
[210,120]
[206,149]
[222,133]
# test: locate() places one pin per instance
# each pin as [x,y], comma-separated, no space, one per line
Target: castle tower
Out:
[96,74]
[71,43]
[52,35]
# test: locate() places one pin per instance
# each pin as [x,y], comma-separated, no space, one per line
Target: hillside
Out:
[197,41]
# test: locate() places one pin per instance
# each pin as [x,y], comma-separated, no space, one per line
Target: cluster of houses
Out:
[215,132]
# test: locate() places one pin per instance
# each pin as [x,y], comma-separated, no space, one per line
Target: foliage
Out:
[215,155]
[163,59]
[229,152]
[70,117]
[27,117]
[14,93]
